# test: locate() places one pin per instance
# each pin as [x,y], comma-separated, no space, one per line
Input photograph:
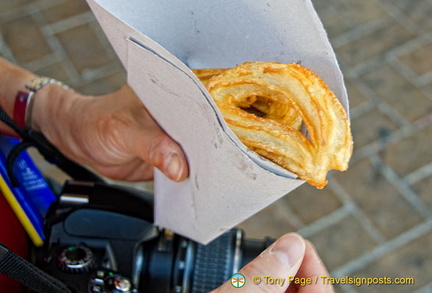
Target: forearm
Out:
[13,79]
[52,104]
[66,118]
[62,116]
[114,133]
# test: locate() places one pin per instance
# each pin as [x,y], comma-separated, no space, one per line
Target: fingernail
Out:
[289,249]
[173,166]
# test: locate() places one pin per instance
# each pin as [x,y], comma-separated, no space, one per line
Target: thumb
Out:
[168,156]
[269,272]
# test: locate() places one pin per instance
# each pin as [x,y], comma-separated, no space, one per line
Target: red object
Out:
[13,235]
[20,108]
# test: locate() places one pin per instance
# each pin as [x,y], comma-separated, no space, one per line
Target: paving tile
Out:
[64,11]
[423,189]
[365,131]
[25,40]
[399,93]
[108,84]
[311,204]
[342,242]
[374,44]
[417,12]
[409,261]
[419,60]
[379,200]
[84,49]
[334,23]
[321,6]
[339,289]
[355,96]
[55,70]
[10,5]
[274,218]
[411,153]
[346,15]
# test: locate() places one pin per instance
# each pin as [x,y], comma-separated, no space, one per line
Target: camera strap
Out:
[27,274]
[11,264]
[31,138]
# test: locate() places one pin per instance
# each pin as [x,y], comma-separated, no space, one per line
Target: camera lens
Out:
[176,264]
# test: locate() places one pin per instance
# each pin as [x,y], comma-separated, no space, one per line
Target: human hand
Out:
[113,134]
[289,256]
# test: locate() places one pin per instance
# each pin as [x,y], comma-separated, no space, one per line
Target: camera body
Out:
[99,239]
[94,251]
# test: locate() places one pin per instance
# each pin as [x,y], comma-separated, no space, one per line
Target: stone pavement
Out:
[374,220]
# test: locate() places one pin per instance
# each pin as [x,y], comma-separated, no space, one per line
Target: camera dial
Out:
[75,259]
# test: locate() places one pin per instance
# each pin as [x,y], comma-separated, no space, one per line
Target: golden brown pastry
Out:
[266,104]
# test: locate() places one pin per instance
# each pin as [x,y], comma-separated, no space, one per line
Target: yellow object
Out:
[19,212]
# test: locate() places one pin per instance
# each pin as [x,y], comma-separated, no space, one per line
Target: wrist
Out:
[51,108]
[62,116]
[33,87]
[25,100]
[14,80]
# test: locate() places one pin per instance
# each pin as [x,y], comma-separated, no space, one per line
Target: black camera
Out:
[101,238]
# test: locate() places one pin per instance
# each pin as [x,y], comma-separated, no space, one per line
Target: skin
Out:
[115,135]
[290,256]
